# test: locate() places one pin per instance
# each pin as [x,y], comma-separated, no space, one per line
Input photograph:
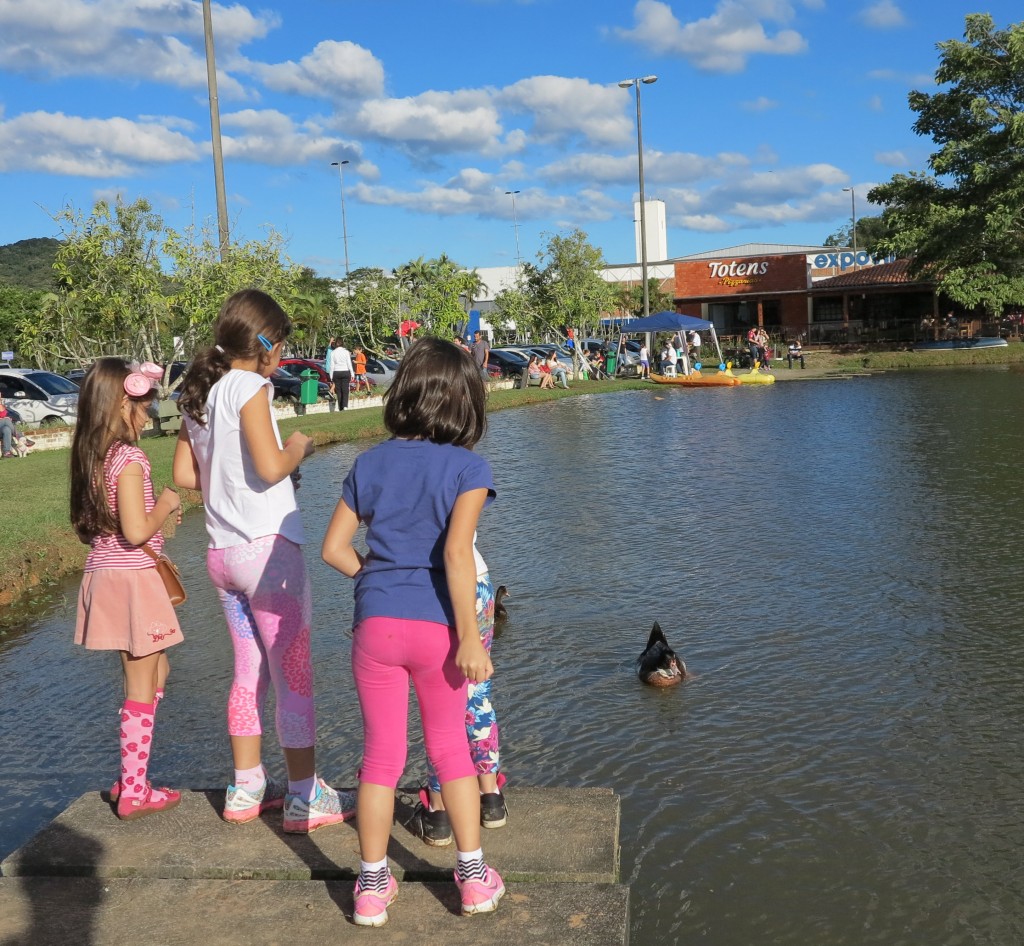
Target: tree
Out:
[569,290]
[114,298]
[110,297]
[629,297]
[18,306]
[962,224]
[871,231]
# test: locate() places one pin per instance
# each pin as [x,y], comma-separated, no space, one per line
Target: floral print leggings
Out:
[265,592]
[481,721]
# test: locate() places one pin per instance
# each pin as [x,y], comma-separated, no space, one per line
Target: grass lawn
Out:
[37,544]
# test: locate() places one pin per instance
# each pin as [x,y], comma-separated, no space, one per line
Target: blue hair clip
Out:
[265,342]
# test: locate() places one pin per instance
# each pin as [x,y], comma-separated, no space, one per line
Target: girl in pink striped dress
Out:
[122,604]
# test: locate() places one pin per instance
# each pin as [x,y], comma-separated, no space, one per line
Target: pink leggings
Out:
[386,652]
[264,590]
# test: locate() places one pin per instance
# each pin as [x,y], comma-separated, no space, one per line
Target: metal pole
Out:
[853,221]
[635,83]
[340,165]
[515,226]
[218,154]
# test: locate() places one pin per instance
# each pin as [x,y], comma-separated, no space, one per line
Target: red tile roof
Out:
[884,274]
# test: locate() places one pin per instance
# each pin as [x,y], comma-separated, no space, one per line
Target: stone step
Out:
[49,911]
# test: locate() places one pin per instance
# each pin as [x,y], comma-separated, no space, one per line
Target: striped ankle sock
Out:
[374,876]
[471,865]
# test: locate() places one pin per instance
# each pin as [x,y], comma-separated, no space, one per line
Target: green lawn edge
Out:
[38,547]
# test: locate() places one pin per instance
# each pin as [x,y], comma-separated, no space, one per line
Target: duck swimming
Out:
[659,665]
[500,613]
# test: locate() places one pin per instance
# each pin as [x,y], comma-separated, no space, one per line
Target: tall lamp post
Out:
[636,83]
[515,226]
[853,219]
[340,165]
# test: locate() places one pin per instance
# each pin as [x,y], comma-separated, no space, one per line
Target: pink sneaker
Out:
[372,907]
[481,896]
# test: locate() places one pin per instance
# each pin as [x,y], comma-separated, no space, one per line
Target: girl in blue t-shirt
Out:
[420,495]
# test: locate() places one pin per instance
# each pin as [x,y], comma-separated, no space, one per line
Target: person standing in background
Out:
[341,373]
[480,351]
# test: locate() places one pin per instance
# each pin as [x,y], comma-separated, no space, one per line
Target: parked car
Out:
[509,364]
[542,350]
[287,387]
[295,366]
[40,397]
[381,371]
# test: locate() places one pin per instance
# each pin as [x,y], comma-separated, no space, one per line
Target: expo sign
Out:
[846,258]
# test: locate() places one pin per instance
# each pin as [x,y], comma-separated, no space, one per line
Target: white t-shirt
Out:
[341,360]
[240,506]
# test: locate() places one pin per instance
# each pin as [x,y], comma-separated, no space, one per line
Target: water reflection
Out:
[838,564]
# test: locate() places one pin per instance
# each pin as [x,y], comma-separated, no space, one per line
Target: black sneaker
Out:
[493,813]
[433,826]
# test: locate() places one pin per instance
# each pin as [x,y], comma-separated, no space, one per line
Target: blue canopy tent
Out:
[672,322]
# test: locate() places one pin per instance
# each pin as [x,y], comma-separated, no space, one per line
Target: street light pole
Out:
[515,226]
[853,218]
[636,83]
[218,154]
[340,165]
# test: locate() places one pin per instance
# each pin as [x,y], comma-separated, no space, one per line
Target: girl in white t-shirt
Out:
[230,449]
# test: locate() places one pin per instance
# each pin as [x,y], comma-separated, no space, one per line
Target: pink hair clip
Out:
[143,379]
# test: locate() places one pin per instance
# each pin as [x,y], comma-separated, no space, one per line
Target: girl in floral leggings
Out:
[229,447]
[430,820]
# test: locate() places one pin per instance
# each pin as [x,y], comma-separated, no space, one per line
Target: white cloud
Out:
[88,147]
[271,137]
[760,104]
[659,167]
[434,122]
[875,103]
[892,159]
[467,193]
[333,70]
[703,223]
[124,38]
[722,42]
[883,15]
[562,107]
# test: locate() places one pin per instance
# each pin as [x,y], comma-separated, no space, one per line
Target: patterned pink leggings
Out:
[264,590]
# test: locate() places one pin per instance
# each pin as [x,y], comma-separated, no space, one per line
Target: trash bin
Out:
[309,387]
[612,357]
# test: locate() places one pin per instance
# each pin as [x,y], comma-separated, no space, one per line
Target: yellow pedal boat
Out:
[695,379]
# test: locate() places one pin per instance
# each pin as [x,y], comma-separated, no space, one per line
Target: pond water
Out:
[840,565]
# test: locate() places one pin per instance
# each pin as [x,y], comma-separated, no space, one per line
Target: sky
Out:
[762,113]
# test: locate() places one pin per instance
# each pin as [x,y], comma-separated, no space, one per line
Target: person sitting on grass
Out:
[557,370]
[9,432]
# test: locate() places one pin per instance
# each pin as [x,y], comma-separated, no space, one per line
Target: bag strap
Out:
[145,548]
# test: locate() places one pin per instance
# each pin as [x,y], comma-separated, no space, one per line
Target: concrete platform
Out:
[187,877]
[566,835]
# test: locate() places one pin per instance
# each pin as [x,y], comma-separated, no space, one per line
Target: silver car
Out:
[39,397]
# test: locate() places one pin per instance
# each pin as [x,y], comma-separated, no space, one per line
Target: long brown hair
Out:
[244,317]
[100,424]
[438,395]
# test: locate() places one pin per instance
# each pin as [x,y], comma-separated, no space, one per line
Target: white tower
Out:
[657,234]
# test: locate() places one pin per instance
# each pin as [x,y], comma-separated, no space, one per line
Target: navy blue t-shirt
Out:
[405,490]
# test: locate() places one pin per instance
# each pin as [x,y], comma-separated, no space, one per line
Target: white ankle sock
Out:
[250,779]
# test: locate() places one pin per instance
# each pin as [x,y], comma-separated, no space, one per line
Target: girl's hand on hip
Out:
[473,661]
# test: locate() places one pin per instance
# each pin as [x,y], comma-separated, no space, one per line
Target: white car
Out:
[39,397]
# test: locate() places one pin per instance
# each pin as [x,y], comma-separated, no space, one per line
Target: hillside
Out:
[29,263]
